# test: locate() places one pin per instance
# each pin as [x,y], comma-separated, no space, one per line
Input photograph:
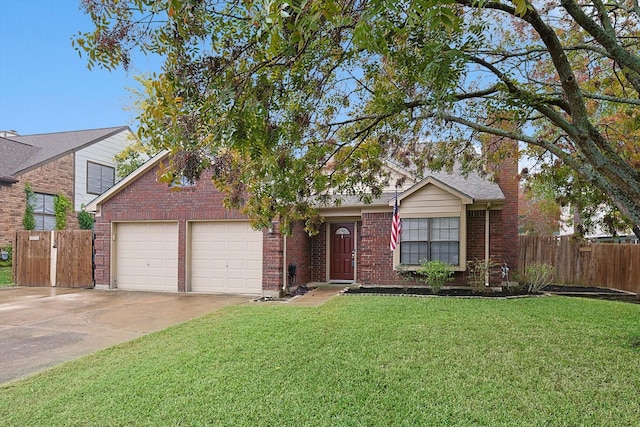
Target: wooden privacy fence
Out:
[62,258]
[581,263]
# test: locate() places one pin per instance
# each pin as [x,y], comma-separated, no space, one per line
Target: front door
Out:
[341,252]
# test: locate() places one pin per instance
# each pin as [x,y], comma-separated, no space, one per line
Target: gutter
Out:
[8,179]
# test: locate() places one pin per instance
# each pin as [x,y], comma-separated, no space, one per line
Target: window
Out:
[181,182]
[44,212]
[430,239]
[99,178]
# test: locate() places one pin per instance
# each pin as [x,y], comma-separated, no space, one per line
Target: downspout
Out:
[284,265]
[486,244]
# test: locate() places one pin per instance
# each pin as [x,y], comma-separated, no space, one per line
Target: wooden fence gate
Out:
[62,258]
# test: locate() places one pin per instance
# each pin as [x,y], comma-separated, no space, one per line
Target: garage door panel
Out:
[226,257]
[147,256]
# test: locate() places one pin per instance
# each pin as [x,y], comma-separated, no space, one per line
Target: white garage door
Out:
[226,257]
[147,256]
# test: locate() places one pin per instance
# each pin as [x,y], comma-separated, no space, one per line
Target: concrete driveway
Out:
[43,327]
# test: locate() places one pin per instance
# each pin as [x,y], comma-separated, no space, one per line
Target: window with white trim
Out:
[44,212]
[430,239]
[99,178]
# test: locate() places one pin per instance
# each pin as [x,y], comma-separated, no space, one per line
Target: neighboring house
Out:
[78,164]
[151,237]
[597,234]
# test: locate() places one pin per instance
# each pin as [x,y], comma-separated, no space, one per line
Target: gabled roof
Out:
[25,152]
[94,205]
[13,153]
[472,187]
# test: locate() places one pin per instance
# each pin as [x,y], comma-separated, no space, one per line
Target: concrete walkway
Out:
[43,327]
[317,296]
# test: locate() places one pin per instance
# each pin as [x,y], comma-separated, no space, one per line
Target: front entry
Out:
[341,252]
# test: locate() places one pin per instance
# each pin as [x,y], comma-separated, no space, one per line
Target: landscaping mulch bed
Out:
[581,291]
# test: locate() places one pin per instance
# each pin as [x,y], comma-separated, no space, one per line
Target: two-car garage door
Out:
[222,257]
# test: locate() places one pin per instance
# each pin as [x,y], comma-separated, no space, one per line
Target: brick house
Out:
[151,237]
[78,164]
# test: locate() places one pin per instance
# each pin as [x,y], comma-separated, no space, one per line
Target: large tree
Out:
[292,101]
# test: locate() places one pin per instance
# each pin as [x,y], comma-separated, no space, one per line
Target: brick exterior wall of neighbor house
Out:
[53,178]
[146,199]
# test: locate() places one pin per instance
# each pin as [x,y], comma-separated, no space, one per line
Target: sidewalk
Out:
[317,296]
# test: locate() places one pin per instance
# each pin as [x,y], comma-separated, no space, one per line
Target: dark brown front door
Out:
[341,252]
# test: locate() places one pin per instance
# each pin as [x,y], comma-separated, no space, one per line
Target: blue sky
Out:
[44,85]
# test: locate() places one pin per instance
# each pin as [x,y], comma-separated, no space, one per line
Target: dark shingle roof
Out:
[13,153]
[21,153]
[473,185]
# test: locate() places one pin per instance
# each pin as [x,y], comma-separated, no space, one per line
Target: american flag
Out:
[396,226]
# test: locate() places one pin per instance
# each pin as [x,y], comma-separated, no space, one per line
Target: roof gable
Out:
[94,205]
[465,198]
[50,146]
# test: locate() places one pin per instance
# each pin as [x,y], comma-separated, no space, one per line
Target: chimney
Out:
[8,133]
[502,162]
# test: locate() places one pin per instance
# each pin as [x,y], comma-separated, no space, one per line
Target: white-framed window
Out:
[430,239]
[99,178]
[44,212]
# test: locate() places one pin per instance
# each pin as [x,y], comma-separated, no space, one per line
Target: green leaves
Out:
[307,96]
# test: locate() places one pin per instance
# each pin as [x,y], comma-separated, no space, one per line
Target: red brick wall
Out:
[147,199]
[509,183]
[55,177]
[318,262]
[376,260]
[272,250]
[299,253]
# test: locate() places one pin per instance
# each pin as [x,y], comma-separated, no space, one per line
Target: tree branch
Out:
[607,40]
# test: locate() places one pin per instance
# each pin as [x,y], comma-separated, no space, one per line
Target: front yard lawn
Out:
[358,360]
[5,276]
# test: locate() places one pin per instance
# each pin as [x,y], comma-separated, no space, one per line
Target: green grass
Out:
[358,361]
[5,276]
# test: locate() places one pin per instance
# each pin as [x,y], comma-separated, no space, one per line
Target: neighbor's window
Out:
[430,239]
[44,213]
[99,178]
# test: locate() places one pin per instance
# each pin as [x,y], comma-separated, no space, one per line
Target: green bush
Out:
[61,205]
[29,219]
[435,273]
[85,219]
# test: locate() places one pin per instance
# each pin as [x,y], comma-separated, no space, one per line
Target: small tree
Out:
[61,205]
[435,273]
[29,219]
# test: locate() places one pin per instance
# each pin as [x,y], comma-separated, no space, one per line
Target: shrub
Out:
[85,219]
[435,273]
[538,276]
[29,218]
[478,271]
[61,205]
